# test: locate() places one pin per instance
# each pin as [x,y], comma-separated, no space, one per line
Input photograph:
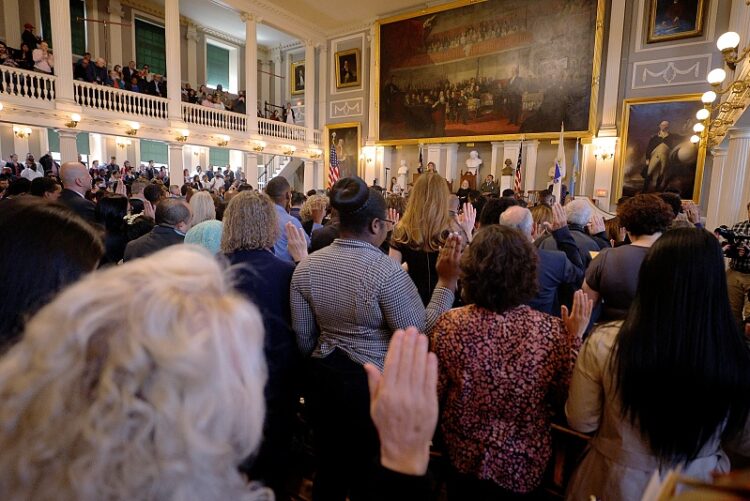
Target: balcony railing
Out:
[281,130]
[317,137]
[105,98]
[211,117]
[27,84]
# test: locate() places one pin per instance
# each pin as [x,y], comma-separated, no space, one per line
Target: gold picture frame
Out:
[681,26]
[345,75]
[346,132]
[642,120]
[594,96]
[297,78]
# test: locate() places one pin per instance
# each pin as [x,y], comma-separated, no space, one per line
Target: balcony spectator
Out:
[129,72]
[115,80]
[5,57]
[24,57]
[239,104]
[157,87]
[100,71]
[134,87]
[206,100]
[216,102]
[83,69]
[28,37]
[288,114]
[14,165]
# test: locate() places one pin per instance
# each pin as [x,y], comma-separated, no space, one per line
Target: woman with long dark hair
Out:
[669,384]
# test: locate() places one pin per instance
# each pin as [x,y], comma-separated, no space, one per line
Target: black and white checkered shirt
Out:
[741,264]
[351,296]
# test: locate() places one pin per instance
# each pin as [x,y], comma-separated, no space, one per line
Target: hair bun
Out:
[350,195]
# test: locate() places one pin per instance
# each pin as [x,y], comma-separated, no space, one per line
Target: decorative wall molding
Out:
[344,108]
[670,72]
[364,69]
[641,22]
[221,36]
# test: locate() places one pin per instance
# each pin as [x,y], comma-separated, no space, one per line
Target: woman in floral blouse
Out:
[503,368]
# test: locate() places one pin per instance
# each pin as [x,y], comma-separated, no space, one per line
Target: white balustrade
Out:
[317,137]
[105,98]
[281,130]
[27,84]
[212,117]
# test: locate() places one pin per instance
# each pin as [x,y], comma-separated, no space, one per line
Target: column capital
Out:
[67,132]
[718,151]
[246,16]
[739,133]
[309,44]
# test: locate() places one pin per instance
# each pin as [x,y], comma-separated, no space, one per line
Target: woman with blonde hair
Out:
[424,228]
[203,208]
[250,232]
[155,395]
[312,212]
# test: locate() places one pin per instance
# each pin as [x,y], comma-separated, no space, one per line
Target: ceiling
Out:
[334,15]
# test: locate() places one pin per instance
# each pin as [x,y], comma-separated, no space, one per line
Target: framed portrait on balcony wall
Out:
[347,69]
[656,154]
[675,19]
[297,72]
[490,70]
[344,140]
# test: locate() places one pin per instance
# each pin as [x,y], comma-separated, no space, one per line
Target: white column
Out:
[733,195]
[287,86]
[451,161]
[433,155]
[319,175]
[587,166]
[176,162]
[614,54]
[121,153]
[251,72]
[68,146]
[496,160]
[528,165]
[372,121]
[95,147]
[278,95]
[174,75]
[21,146]
[309,90]
[62,44]
[13,25]
[603,176]
[322,104]
[718,173]
[251,165]
[192,52]
[114,37]
[309,181]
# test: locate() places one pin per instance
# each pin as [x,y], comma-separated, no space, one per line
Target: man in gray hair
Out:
[579,215]
[559,272]
[172,222]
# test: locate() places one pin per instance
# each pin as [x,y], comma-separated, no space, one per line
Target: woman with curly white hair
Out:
[154,395]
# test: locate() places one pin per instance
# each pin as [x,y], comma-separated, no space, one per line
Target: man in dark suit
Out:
[514,90]
[556,269]
[129,72]
[28,37]
[172,222]
[76,181]
[157,87]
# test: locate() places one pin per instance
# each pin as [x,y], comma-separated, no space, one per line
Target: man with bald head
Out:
[172,222]
[559,272]
[76,181]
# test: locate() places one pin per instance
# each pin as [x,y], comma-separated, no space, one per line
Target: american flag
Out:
[333,169]
[517,185]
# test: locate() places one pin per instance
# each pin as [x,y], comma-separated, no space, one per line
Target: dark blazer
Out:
[157,88]
[153,241]
[558,278]
[79,205]
[127,74]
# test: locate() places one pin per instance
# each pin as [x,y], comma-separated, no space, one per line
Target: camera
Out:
[733,242]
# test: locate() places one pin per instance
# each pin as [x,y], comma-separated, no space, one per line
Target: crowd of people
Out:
[178,341]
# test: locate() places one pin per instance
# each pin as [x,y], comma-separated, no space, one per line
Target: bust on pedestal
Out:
[403,172]
[473,162]
[507,174]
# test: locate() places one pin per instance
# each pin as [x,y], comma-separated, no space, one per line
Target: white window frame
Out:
[234,63]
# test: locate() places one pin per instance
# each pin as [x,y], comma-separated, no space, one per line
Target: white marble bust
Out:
[403,172]
[473,162]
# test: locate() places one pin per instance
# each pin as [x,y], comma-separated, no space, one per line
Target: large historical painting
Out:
[345,139]
[499,68]
[656,154]
[675,19]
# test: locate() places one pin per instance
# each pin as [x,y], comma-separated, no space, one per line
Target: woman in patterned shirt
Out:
[503,368]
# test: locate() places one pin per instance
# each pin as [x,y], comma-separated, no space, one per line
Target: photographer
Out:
[738,274]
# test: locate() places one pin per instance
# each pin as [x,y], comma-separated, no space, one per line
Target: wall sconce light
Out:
[1,106]
[727,44]
[289,150]
[223,141]
[604,147]
[122,142]
[259,146]
[74,119]
[133,130]
[183,137]
[315,153]
[21,132]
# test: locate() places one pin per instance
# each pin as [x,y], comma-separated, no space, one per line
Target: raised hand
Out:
[296,242]
[467,219]
[404,403]
[448,262]
[596,224]
[148,210]
[559,219]
[394,216]
[577,320]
